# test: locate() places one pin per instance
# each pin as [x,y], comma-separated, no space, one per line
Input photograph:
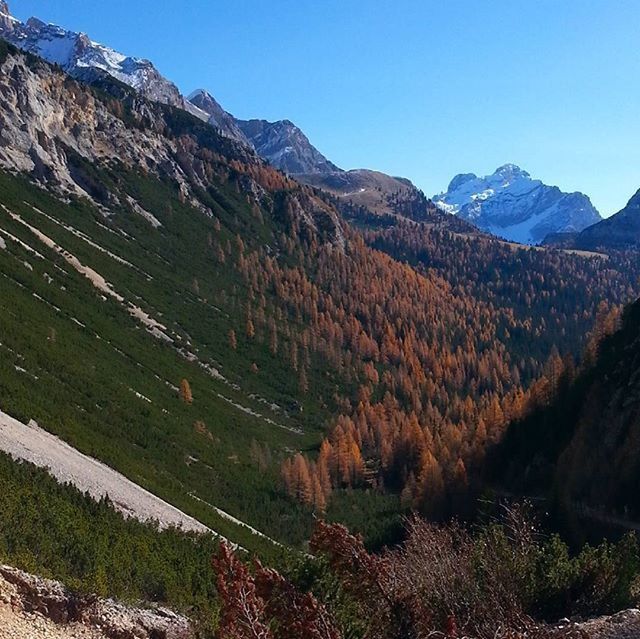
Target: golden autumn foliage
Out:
[185,392]
[432,357]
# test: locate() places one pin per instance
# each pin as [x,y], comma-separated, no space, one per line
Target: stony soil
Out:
[35,608]
[21,625]
[622,625]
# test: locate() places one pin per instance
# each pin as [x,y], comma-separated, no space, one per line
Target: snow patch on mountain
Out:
[511,204]
[76,52]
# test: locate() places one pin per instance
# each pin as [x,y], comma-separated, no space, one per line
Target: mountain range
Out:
[510,204]
[131,226]
[281,143]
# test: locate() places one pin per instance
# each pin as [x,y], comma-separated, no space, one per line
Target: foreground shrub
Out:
[503,580]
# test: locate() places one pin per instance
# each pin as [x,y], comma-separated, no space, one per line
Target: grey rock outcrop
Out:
[52,601]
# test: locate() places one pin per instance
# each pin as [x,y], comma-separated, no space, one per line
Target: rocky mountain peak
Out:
[217,116]
[511,204]
[35,23]
[286,147]
[203,99]
[460,179]
[511,172]
[76,53]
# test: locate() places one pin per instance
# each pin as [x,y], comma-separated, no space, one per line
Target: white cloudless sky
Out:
[424,89]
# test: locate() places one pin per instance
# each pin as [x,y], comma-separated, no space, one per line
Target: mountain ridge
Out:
[620,232]
[285,146]
[281,143]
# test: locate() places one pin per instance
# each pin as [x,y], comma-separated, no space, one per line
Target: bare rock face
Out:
[285,146]
[34,594]
[6,21]
[217,116]
[47,120]
[50,600]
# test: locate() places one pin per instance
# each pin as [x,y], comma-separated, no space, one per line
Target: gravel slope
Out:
[33,444]
[16,624]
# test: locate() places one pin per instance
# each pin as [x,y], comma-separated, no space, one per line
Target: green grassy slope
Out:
[79,364]
[55,531]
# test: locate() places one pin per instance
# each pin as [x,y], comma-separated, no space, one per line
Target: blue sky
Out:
[419,88]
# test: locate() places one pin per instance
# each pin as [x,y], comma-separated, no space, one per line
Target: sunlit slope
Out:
[102,368]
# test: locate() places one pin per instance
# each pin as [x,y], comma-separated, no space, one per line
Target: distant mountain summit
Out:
[511,204]
[217,116]
[285,146]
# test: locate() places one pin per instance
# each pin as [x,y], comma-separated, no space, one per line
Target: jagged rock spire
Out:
[6,21]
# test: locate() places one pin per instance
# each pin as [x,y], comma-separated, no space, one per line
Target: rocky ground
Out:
[36,608]
[622,625]
[21,625]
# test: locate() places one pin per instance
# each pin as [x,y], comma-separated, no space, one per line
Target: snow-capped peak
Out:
[511,172]
[76,52]
[510,204]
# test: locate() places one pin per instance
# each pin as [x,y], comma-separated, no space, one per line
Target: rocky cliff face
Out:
[55,128]
[285,146]
[512,205]
[47,119]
